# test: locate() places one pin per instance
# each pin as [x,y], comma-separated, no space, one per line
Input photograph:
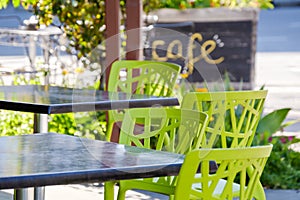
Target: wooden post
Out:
[133,32]
[112,22]
[112,42]
[133,29]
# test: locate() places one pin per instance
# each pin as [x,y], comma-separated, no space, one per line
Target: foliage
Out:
[269,125]
[83,22]
[183,4]
[85,124]
[91,125]
[282,170]
[4,3]
[15,123]
[283,166]
[150,5]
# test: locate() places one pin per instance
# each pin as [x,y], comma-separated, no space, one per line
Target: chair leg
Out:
[114,137]
[109,131]
[259,192]
[121,193]
[171,197]
[113,132]
[109,190]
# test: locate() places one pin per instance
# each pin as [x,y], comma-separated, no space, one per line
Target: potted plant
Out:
[224,31]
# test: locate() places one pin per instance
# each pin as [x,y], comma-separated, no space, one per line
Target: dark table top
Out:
[50,99]
[54,159]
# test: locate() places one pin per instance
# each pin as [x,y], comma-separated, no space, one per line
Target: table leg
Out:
[46,46]
[32,51]
[40,126]
[21,194]
[39,193]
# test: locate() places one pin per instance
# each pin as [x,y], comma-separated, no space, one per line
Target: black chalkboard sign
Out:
[198,47]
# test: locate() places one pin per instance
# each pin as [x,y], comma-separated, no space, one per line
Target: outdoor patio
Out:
[277,72]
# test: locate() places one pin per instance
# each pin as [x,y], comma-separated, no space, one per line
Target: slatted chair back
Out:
[233,116]
[140,77]
[165,129]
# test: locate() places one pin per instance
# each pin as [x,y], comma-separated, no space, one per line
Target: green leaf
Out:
[289,123]
[3,3]
[272,122]
[16,3]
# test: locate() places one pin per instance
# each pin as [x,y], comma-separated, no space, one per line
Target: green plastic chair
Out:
[167,129]
[140,77]
[233,115]
[233,164]
[233,118]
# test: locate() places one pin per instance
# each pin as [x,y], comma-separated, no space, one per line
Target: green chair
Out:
[233,164]
[167,129]
[140,77]
[233,115]
[233,118]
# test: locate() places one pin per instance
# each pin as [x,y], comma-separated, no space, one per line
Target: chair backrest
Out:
[169,129]
[140,77]
[232,162]
[143,77]
[233,115]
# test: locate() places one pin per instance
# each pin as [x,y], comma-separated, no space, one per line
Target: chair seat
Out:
[220,187]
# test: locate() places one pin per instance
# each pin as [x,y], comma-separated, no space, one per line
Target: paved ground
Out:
[90,192]
[280,73]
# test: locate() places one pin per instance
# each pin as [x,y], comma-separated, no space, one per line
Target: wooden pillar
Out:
[112,34]
[112,43]
[133,43]
[134,11]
